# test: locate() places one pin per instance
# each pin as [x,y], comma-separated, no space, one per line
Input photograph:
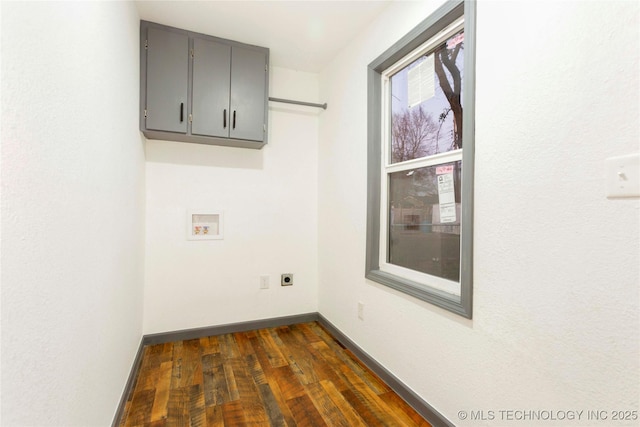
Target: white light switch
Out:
[623,176]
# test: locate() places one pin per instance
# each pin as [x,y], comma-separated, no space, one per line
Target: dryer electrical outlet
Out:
[286,279]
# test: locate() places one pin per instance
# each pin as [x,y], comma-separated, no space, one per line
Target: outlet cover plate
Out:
[286,279]
[264,282]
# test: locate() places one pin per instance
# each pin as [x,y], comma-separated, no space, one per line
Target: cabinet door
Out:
[167,80]
[248,85]
[211,79]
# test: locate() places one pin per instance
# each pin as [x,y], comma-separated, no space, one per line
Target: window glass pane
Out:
[424,220]
[426,103]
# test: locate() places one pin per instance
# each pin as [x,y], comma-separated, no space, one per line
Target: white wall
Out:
[72,210]
[556,322]
[269,198]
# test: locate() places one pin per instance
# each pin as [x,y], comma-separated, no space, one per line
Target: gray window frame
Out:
[432,25]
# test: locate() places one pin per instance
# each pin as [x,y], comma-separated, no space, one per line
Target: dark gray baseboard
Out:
[435,418]
[131,384]
[252,325]
[416,402]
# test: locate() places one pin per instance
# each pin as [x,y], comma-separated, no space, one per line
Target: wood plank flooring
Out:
[295,375]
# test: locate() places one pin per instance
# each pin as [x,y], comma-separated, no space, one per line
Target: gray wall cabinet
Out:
[202,89]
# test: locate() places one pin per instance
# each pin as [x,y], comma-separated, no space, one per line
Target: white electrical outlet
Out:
[361,311]
[264,282]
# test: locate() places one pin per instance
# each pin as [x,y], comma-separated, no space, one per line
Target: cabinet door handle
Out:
[224,119]
[234,119]
[181,112]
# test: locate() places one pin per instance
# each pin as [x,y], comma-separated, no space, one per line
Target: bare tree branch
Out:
[413,135]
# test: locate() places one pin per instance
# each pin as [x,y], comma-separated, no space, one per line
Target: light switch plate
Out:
[623,176]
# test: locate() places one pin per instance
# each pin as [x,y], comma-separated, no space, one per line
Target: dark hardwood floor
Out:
[295,375]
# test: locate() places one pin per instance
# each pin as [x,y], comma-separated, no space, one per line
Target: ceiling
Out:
[302,35]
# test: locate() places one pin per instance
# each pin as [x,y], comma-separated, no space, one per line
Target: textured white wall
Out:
[556,322]
[269,197]
[72,211]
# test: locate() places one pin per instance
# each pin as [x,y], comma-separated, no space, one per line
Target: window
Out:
[420,172]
